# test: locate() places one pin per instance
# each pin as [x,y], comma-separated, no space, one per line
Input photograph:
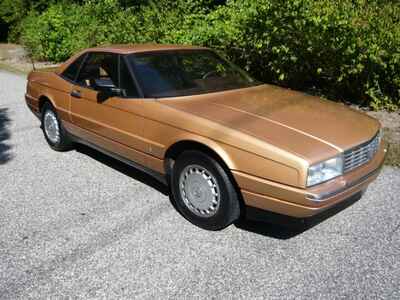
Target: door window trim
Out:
[133,77]
[85,56]
[121,59]
[84,64]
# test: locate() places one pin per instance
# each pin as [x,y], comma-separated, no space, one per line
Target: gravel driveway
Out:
[81,225]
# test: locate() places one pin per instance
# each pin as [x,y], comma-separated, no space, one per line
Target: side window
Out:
[72,70]
[100,71]
[127,84]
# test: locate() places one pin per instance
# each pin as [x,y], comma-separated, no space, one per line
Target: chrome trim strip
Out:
[160,177]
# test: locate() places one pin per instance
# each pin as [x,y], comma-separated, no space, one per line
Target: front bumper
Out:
[302,203]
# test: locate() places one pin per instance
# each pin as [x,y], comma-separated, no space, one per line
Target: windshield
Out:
[186,72]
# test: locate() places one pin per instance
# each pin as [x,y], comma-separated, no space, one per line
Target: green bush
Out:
[345,50]
[65,28]
[12,12]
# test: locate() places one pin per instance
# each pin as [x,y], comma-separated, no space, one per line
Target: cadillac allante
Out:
[221,140]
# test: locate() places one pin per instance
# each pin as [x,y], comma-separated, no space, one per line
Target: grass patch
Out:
[8,67]
[393,155]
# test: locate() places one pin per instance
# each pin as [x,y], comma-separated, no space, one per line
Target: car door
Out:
[106,108]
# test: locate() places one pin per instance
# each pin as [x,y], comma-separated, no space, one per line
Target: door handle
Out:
[76,94]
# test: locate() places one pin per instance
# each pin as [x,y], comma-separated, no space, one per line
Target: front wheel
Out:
[203,191]
[53,131]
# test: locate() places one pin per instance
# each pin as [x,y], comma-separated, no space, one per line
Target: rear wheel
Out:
[53,131]
[203,191]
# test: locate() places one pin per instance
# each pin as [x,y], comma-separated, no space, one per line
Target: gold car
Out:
[221,140]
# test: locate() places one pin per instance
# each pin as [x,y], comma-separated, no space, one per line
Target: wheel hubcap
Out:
[199,190]
[51,127]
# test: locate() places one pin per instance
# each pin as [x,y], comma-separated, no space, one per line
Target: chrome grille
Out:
[360,154]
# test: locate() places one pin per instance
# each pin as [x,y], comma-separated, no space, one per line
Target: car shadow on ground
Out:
[256,221]
[283,227]
[123,168]
[5,135]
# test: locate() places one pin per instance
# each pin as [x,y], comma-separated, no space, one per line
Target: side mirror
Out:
[104,94]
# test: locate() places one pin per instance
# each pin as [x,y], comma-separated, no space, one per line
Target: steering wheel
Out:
[209,73]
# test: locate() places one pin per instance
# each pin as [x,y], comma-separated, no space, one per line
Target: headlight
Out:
[325,170]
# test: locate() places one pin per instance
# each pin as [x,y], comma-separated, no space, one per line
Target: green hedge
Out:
[344,49]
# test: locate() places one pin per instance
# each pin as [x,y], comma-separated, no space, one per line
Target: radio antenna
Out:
[29,54]
[33,64]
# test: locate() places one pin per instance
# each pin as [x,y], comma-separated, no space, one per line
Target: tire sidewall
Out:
[228,210]
[63,143]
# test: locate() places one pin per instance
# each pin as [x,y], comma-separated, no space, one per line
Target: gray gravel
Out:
[81,225]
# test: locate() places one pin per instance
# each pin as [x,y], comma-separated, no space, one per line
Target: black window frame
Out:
[132,76]
[84,55]
[84,64]
[122,58]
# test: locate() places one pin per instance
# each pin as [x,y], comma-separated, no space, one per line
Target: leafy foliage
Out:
[347,49]
[12,12]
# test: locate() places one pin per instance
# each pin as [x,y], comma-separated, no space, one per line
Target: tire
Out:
[54,133]
[203,192]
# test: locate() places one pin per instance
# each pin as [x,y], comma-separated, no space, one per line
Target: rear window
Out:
[72,71]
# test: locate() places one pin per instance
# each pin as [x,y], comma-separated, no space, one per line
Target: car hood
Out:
[306,125]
